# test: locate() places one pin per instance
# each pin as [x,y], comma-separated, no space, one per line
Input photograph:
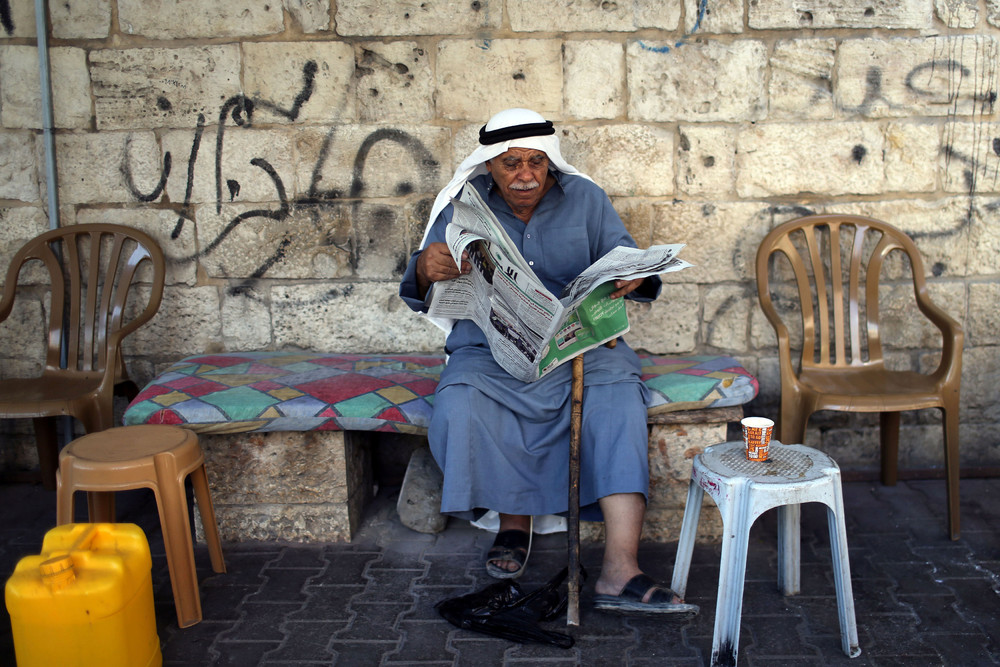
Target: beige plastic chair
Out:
[158,457]
[92,270]
[840,365]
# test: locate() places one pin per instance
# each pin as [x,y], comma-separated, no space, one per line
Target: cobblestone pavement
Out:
[921,599]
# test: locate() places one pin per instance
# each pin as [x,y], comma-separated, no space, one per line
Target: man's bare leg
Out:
[512,522]
[623,515]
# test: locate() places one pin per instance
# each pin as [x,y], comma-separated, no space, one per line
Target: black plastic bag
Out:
[503,610]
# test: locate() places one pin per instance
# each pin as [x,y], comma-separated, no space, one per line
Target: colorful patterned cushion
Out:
[290,391]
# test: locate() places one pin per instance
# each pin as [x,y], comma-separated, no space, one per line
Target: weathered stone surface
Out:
[570,16]
[655,14]
[163,87]
[199,18]
[841,158]
[475,79]
[20,92]
[720,16]
[177,242]
[626,160]
[349,317]
[395,83]
[81,19]
[20,20]
[100,167]
[706,161]
[314,523]
[969,161]
[246,320]
[906,77]
[276,76]
[669,325]
[595,79]
[18,225]
[379,18]
[983,325]
[186,323]
[801,85]
[419,503]
[957,13]
[22,339]
[18,166]
[793,14]
[980,390]
[699,82]
[311,16]
[993,12]
[725,317]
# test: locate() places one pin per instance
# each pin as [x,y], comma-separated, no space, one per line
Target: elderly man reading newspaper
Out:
[503,443]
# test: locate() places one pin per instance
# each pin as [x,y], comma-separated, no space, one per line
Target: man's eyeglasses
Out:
[512,163]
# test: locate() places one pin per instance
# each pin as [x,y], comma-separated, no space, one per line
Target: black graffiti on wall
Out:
[6,20]
[238,112]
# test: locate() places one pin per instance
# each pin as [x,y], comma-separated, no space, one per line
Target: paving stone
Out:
[307,640]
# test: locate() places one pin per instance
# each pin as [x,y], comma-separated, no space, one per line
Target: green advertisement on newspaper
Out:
[596,320]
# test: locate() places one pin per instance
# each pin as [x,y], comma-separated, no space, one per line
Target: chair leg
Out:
[736,522]
[64,495]
[171,501]
[789,548]
[46,441]
[951,466]
[889,435]
[101,506]
[842,573]
[685,543]
[199,480]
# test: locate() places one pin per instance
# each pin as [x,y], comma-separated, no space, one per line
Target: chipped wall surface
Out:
[285,155]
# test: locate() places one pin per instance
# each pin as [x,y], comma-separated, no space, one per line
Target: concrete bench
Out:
[288,436]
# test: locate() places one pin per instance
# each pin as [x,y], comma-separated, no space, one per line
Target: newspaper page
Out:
[530,330]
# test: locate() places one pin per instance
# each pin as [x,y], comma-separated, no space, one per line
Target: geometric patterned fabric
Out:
[294,391]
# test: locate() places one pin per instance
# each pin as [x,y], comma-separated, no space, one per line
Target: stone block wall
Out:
[285,155]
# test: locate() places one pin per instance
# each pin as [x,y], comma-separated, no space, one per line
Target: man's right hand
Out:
[435,263]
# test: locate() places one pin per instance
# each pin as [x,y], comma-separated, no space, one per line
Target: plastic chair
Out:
[743,490]
[841,364]
[158,457]
[92,270]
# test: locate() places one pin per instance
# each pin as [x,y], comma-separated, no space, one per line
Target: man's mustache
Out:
[524,186]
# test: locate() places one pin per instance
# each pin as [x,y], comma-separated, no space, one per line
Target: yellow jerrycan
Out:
[87,599]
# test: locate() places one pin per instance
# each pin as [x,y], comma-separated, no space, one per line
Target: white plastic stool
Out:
[743,490]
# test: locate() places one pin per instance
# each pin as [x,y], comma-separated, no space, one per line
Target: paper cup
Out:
[757,437]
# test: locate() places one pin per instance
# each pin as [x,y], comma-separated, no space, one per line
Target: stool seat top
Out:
[129,443]
[785,463]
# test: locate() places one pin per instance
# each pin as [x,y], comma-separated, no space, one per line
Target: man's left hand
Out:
[623,287]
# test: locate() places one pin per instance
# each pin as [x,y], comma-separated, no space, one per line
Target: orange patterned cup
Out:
[757,437]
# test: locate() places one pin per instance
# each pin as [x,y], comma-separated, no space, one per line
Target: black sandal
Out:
[660,604]
[512,545]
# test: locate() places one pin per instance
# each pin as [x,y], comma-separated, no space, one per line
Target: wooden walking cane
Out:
[573,522]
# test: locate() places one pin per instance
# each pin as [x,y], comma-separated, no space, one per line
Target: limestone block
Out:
[941,229]
[668,325]
[199,18]
[803,15]
[175,237]
[22,338]
[801,85]
[419,503]
[18,175]
[349,317]
[377,18]
[979,445]
[311,16]
[637,214]
[980,390]
[158,87]
[969,161]
[626,160]
[312,523]
[823,158]
[246,320]
[20,96]
[664,525]
[906,77]
[384,233]
[107,167]
[570,16]
[720,16]
[18,225]
[852,448]
[983,325]
[957,13]
[595,79]
[186,323]
[656,14]
[86,19]
[901,326]
[394,83]
[371,160]
[476,79]
[786,300]
[721,238]
[726,313]
[706,157]
[701,82]
[993,12]
[276,75]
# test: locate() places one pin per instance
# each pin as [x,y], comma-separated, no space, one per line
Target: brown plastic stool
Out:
[151,456]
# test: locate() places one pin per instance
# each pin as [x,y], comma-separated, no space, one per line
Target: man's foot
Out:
[509,554]
[642,596]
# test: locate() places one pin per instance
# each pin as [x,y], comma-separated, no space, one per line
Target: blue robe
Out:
[503,444]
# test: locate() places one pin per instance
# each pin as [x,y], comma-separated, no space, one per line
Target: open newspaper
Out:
[529,329]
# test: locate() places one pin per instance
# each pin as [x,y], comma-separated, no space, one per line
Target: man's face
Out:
[520,176]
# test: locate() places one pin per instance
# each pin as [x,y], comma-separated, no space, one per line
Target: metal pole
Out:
[48,123]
